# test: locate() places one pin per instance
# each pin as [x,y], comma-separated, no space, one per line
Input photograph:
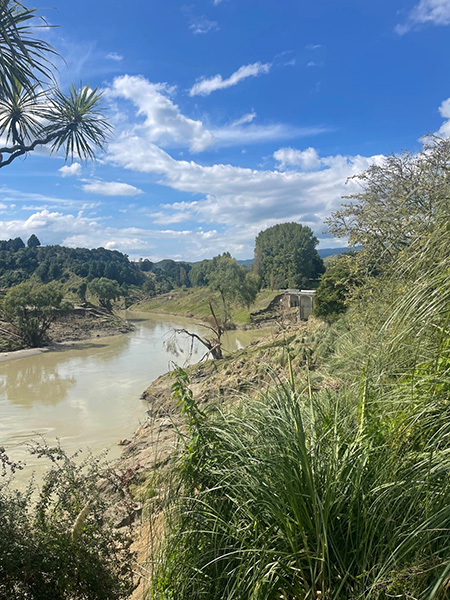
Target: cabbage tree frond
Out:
[76,123]
[23,57]
[22,111]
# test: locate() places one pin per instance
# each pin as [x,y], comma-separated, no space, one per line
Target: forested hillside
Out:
[57,263]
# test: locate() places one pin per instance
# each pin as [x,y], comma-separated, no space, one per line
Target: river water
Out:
[87,395]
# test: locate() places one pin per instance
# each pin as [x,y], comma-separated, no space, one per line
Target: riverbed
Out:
[87,395]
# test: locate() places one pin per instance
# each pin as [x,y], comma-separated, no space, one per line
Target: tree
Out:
[33,111]
[33,241]
[335,287]
[234,284]
[231,281]
[286,256]
[31,309]
[106,291]
[398,204]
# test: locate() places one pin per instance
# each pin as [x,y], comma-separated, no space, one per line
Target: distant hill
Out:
[58,263]
[324,252]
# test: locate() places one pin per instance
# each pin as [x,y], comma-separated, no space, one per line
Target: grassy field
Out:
[194,303]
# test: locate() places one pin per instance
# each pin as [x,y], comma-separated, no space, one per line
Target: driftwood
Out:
[214,345]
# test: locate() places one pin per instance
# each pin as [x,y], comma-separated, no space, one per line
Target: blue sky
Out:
[229,116]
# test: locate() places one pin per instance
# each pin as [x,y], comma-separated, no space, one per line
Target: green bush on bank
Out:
[57,543]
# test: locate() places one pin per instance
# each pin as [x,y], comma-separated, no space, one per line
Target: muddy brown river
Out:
[87,395]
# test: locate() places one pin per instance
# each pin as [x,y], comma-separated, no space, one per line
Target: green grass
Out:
[194,303]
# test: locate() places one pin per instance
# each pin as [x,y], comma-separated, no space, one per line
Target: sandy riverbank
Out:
[73,329]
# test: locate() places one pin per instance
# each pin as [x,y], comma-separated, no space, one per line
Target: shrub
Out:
[57,543]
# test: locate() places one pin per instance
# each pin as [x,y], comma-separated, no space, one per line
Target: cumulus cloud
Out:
[243,200]
[164,123]
[206,86]
[46,221]
[306,159]
[434,12]
[111,188]
[72,170]
[444,110]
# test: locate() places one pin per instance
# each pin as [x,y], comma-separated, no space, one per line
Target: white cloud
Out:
[435,12]
[247,118]
[46,221]
[114,56]
[206,86]
[77,230]
[202,25]
[258,134]
[72,170]
[111,188]
[306,159]
[244,201]
[164,123]
[444,110]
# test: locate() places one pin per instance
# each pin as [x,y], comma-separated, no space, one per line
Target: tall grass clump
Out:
[297,496]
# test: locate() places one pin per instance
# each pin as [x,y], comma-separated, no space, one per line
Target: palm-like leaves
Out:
[21,113]
[31,114]
[76,123]
[23,57]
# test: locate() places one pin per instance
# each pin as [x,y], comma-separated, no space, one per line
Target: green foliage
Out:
[398,204]
[57,542]
[33,241]
[293,496]
[31,309]
[55,263]
[33,111]
[232,281]
[106,291]
[23,58]
[335,287]
[286,256]
[164,275]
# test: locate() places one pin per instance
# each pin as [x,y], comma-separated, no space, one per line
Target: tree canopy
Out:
[31,309]
[57,263]
[398,202]
[33,110]
[106,291]
[286,256]
[222,276]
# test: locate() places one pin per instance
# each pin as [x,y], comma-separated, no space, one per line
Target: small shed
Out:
[303,299]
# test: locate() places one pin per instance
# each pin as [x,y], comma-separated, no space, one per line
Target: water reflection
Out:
[29,382]
[88,395]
